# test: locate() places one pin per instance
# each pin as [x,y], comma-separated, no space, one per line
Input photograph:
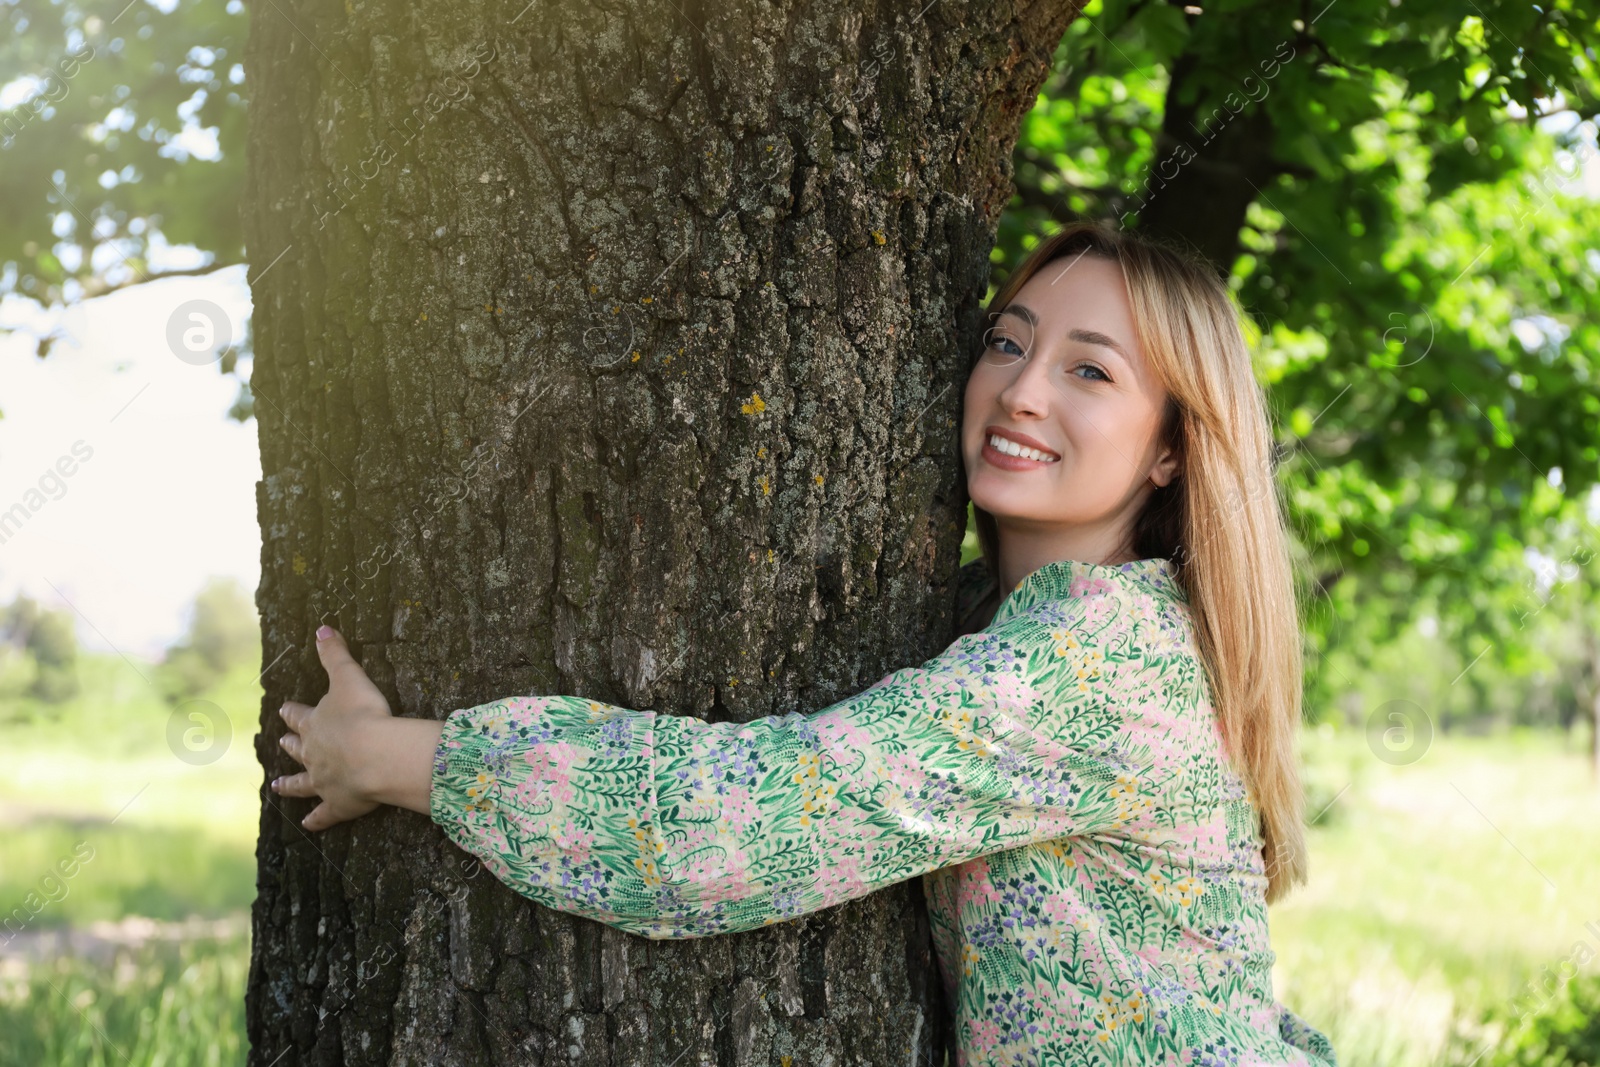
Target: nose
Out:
[1028,393]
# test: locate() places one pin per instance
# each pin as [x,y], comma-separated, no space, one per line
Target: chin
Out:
[1000,505]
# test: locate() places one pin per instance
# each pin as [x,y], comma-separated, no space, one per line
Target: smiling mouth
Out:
[1007,447]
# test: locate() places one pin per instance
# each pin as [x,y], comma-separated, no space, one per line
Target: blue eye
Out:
[998,341]
[1104,377]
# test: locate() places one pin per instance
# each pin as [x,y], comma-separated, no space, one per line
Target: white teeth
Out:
[1011,448]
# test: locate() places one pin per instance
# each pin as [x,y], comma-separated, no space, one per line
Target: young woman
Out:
[1096,780]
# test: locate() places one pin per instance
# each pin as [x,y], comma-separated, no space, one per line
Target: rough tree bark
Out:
[615,352]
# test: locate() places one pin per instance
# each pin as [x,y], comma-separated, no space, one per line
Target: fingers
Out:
[294,785]
[290,743]
[335,655]
[321,818]
[294,715]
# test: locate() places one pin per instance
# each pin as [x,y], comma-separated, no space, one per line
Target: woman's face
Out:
[1062,371]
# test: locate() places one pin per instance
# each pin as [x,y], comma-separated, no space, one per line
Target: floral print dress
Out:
[1092,863]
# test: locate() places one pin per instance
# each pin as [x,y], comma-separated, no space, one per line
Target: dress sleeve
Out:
[673,827]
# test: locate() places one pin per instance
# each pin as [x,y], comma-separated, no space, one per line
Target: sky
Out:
[166,496]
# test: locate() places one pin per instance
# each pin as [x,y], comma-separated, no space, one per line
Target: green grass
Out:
[1438,890]
[95,777]
[165,1005]
[165,839]
[132,870]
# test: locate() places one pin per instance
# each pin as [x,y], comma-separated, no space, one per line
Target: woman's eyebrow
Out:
[1095,337]
[1021,312]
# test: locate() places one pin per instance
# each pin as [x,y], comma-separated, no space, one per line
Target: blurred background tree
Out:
[223,632]
[42,652]
[122,146]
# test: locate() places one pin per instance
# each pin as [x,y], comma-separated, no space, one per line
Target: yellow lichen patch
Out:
[878,237]
[298,563]
[635,356]
[424,316]
[754,406]
[766,490]
[647,300]
[819,479]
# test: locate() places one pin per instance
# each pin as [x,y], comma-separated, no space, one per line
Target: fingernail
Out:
[275,782]
[324,632]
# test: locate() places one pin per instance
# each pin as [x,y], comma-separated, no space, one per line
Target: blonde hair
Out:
[1220,521]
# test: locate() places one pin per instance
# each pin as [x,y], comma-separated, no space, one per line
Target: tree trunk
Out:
[615,353]
[1211,162]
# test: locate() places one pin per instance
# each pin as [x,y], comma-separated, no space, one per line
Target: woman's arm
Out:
[401,761]
[673,827]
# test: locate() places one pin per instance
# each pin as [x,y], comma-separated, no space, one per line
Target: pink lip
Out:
[995,458]
[1020,438]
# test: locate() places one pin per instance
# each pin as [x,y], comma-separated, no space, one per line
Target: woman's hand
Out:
[336,740]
